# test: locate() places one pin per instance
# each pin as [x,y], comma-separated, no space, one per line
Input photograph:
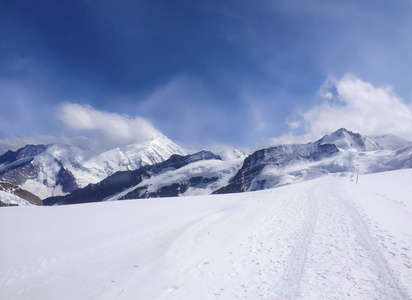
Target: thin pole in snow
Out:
[357,176]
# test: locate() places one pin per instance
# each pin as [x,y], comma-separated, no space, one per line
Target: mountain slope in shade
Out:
[197,178]
[124,180]
[38,169]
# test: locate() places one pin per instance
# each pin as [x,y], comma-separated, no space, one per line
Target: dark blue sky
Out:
[202,72]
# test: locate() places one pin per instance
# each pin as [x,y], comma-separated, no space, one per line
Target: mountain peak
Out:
[159,136]
[345,139]
[28,151]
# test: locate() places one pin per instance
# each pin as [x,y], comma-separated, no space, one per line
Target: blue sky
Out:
[204,72]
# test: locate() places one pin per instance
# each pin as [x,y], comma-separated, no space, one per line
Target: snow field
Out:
[321,239]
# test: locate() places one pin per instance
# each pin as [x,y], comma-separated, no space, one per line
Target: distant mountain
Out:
[389,142]
[38,170]
[128,158]
[347,140]
[11,195]
[341,152]
[126,184]
[58,169]
[160,168]
[265,168]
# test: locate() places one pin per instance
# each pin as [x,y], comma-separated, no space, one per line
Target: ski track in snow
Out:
[282,248]
[344,258]
[290,284]
[388,286]
[306,241]
[279,272]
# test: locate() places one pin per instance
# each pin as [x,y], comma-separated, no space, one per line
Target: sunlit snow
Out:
[322,239]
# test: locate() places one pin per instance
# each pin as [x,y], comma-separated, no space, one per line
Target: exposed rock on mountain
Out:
[128,158]
[12,195]
[259,169]
[57,169]
[150,170]
[38,170]
[123,181]
[341,152]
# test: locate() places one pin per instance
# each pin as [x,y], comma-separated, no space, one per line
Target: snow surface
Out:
[322,239]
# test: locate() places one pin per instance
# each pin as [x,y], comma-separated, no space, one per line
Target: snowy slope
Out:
[58,169]
[212,174]
[7,198]
[348,140]
[13,195]
[389,142]
[322,239]
[131,157]
[342,152]
[36,169]
[53,174]
[126,184]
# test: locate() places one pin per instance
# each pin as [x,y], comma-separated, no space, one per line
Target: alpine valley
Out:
[60,174]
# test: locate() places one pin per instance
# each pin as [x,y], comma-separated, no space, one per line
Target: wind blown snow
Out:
[325,238]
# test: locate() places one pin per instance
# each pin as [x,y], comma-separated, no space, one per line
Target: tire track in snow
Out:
[290,283]
[390,287]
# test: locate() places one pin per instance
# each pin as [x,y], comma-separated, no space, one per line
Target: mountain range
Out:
[60,174]
[59,169]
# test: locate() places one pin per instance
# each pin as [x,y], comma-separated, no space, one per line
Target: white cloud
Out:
[293,123]
[113,129]
[360,107]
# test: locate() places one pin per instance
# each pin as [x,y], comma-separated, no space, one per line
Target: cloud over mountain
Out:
[353,103]
[113,128]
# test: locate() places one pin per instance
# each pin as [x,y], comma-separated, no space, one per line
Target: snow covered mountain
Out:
[347,140]
[58,169]
[340,152]
[177,175]
[265,168]
[128,158]
[38,170]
